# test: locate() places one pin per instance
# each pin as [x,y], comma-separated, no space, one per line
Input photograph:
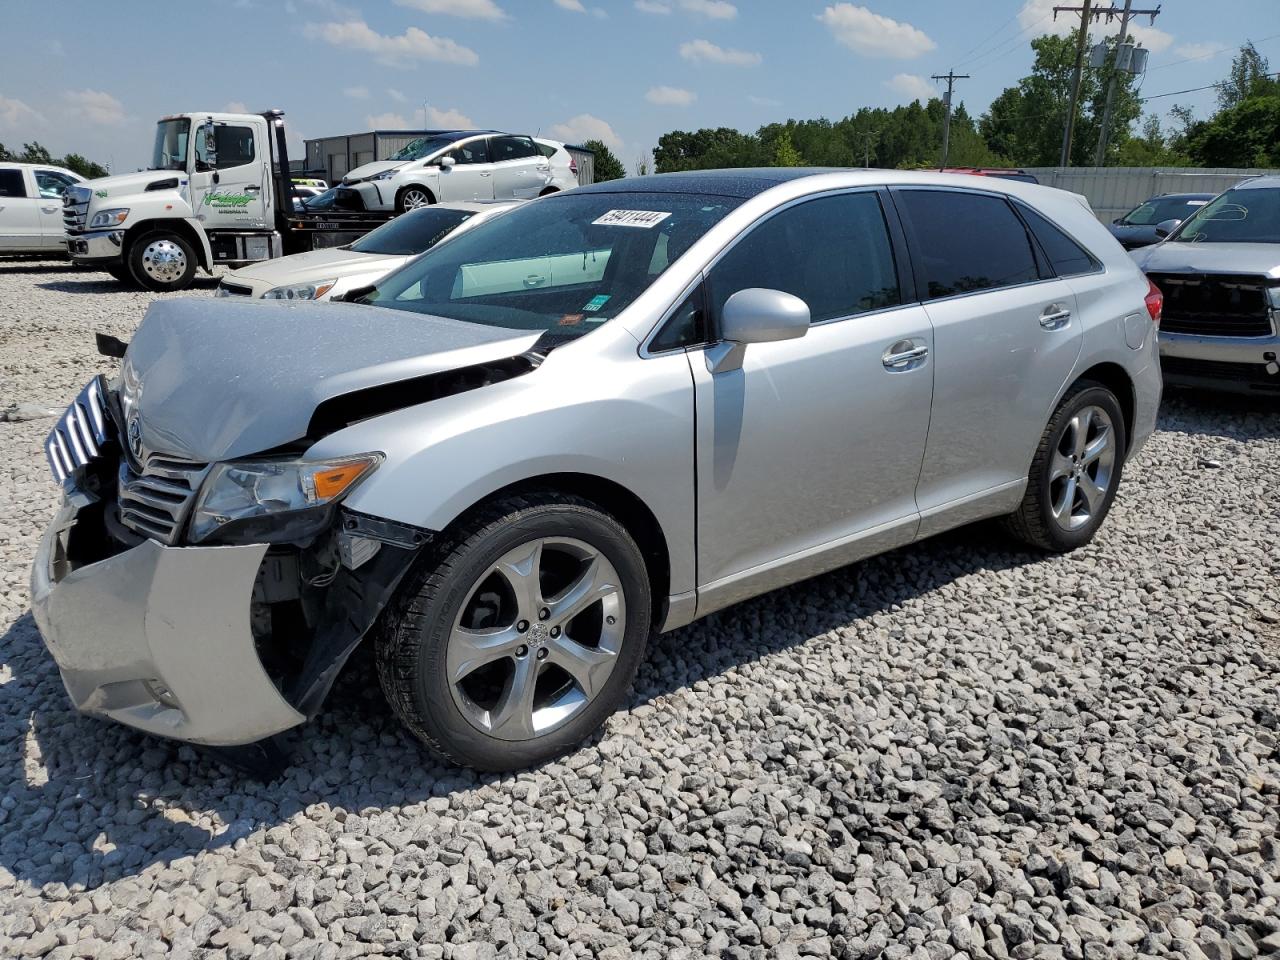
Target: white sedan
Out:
[324,274]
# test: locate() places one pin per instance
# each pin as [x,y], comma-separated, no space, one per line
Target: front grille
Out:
[155,500]
[1214,305]
[74,214]
[1255,376]
[81,432]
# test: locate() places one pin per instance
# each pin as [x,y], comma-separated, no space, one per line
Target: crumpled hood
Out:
[369,169]
[1255,258]
[214,379]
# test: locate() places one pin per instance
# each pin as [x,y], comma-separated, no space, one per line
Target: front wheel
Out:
[162,261]
[1075,473]
[520,636]
[413,197]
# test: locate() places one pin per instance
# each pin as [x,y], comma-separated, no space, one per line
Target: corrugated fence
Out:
[1113,191]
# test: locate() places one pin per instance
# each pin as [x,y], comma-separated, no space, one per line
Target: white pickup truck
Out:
[31,207]
[216,194]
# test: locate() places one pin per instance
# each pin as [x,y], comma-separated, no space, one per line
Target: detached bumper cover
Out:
[173,620]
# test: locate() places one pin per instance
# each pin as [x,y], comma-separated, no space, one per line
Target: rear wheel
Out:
[412,197]
[521,636]
[1075,473]
[162,261]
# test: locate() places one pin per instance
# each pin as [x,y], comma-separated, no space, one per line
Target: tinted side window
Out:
[510,148]
[965,241]
[11,184]
[1067,256]
[477,151]
[683,328]
[833,253]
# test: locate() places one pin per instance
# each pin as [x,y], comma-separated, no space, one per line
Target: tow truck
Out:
[218,194]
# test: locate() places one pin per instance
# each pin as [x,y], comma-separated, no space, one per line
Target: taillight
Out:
[573,166]
[1155,302]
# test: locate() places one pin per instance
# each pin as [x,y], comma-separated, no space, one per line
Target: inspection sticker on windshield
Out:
[595,303]
[631,218]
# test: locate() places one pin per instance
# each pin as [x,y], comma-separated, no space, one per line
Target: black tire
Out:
[1034,522]
[147,272]
[402,197]
[411,644]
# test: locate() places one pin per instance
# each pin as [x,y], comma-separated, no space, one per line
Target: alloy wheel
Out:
[164,261]
[1082,468]
[537,638]
[413,199]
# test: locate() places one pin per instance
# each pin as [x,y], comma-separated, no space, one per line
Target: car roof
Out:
[1259,183]
[16,165]
[475,206]
[1180,196]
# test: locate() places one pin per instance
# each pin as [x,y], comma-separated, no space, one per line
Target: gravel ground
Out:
[958,748]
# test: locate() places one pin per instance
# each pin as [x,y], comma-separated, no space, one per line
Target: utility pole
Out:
[1125,16]
[1064,159]
[951,77]
[867,140]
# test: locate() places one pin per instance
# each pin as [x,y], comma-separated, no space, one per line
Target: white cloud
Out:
[873,35]
[763,101]
[356,93]
[1199,51]
[704,51]
[1037,17]
[14,113]
[912,86]
[387,121]
[670,96]
[396,95]
[467,9]
[652,6]
[236,106]
[95,106]
[413,44]
[586,127]
[450,119]
[575,6]
[712,9]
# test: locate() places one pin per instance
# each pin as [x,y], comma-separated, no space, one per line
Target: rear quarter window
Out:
[1067,257]
[12,184]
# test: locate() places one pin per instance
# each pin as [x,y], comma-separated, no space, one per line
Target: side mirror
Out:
[756,315]
[1166,227]
[447,163]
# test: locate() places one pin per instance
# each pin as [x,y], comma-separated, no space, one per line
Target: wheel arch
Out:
[199,242]
[410,186]
[547,191]
[617,501]
[1116,379]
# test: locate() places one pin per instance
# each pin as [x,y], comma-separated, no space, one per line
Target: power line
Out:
[989,37]
[1213,53]
[1209,86]
[1007,45]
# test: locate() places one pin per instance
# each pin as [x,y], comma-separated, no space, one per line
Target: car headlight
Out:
[110,218]
[270,500]
[300,291]
[385,174]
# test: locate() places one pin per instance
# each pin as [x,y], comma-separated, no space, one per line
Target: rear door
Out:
[50,185]
[519,169]
[19,213]
[1006,336]
[471,176]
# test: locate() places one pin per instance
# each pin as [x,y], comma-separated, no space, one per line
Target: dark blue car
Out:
[1137,228]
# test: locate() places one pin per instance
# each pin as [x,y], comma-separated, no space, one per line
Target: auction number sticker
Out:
[631,218]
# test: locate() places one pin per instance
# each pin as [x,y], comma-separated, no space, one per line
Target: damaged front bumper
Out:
[163,639]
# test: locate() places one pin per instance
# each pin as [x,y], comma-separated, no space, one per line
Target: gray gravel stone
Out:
[960,749]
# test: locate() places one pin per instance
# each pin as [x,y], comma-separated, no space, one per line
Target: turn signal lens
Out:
[1155,302]
[329,483]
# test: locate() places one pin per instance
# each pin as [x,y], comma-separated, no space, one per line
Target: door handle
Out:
[251,188]
[486,174]
[50,209]
[534,280]
[904,355]
[1055,317]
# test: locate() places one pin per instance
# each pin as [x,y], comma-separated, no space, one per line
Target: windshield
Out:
[566,263]
[1237,216]
[170,151]
[1161,209]
[412,232]
[421,147]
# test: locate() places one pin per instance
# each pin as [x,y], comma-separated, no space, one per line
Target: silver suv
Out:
[1219,272]
[608,412]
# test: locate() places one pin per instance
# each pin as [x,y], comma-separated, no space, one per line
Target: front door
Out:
[809,454]
[1007,339]
[471,176]
[50,185]
[230,186]
[519,170]
[19,212]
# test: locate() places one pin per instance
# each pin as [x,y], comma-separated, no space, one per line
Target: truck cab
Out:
[216,194]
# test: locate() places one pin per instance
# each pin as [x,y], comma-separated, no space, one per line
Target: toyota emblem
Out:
[135,438]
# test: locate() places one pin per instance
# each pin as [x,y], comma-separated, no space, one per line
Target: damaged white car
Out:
[614,410]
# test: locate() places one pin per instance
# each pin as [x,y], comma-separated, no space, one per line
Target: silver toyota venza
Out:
[608,412]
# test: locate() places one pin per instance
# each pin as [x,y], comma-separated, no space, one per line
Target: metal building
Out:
[1114,191]
[332,157]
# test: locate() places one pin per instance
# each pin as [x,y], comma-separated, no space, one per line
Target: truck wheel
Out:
[412,197]
[162,261]
[520,636]
[1075,473]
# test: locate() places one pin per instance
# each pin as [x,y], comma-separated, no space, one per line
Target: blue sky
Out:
[92,77]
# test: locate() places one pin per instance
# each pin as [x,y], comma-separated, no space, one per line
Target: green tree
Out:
[706,149]
[1249,77]
[34,153]
[5,154]
[86,168]
[607,166]
[784,152]
[1244,135]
